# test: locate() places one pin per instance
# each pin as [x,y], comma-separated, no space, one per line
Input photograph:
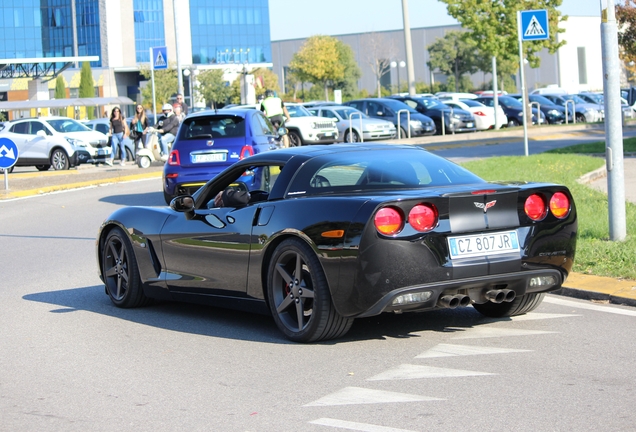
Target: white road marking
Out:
[408,371]
[590,306]
[490,332]
[358,395]
[364,427]
[539,316]
[448,350]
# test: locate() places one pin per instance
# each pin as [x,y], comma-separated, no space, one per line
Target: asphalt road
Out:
[71,361]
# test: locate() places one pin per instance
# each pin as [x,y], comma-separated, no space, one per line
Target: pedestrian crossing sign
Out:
[534,25]
[159,57]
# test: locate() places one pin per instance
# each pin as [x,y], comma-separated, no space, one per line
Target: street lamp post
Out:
[191,73]
[394,64]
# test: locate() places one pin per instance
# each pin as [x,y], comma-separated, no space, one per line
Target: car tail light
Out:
[480,113]
[388,221]
[535,207]
[174,159]
[483,192]
[246,151]
[560,205]
[423,217]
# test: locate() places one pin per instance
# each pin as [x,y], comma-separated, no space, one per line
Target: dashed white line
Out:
[358,395]
[409,371]
[364,427]
[448,350]
[589,306]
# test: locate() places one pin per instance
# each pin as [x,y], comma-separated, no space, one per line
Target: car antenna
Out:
[215,111]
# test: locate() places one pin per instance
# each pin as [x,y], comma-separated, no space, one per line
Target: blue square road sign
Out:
[534,25]
[159,57]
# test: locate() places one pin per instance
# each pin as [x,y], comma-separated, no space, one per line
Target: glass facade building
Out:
[44,28]
[230,31]
[149,28]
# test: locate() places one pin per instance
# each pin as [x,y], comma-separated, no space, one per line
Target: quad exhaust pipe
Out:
[500,296]
[453,301]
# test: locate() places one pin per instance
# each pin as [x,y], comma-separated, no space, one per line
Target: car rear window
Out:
[371,170]
[213,126]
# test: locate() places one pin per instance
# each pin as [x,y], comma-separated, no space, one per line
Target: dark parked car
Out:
[584,111]
[513,109]
[210,141]
[387,109]
[331,233]
[554,114]
[455,119]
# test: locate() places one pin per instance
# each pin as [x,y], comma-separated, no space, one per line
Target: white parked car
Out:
[484,115]
[58,142]
[304,128]
[353,124]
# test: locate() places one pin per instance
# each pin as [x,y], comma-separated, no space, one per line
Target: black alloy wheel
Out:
[120,272]
[294,139]
[580,118]
[59,160]
[519,306]
[299,297]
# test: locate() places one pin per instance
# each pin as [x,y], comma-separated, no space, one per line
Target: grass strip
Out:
[629,146]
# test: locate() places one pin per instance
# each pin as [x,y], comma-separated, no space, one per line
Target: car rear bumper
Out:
[475,288]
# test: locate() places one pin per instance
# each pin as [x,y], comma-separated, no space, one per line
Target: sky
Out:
[295,19]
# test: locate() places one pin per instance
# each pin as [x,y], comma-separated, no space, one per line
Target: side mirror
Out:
[336,119]
[380,113]
[182,204]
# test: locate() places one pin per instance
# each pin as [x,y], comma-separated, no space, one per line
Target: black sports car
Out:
[330,233]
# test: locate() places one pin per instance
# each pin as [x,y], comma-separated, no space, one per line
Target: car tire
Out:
[403,133]
[59,160]
[513,122]
[167,197]
[120,272]
[294,139]
[520,305]
[43,167]
[130,156]
[301,306]
[10,170]
[580,118]
[352,136]
[143,162]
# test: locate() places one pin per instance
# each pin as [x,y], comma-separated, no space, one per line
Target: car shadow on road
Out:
[231,324]
[152,199]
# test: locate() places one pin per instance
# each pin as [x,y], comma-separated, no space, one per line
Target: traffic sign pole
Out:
[613,124]
[152,80]
[9,154]
[524,99]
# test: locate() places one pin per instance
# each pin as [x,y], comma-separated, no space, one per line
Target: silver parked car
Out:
[103,125]
[353,124]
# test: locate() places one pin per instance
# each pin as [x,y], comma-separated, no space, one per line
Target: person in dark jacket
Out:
[168,126]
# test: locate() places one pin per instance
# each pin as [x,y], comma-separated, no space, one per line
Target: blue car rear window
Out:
[213,126]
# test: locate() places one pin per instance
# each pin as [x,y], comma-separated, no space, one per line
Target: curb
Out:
[599,288]
[6,195]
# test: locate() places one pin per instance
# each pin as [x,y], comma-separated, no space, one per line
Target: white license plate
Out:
[469,125]
[101,152]
[483,244]
[209,157]
[328,133]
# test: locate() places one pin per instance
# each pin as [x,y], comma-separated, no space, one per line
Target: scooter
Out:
[152,151]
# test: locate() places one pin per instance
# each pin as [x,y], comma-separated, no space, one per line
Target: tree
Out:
[378,50]
[87,87]
[165,83]
[60,87]
[626,21]
[349,82]
[493,26]
[454,54]
[318,62]
[212,87]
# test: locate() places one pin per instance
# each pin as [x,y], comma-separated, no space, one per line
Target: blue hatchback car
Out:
[210,141]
